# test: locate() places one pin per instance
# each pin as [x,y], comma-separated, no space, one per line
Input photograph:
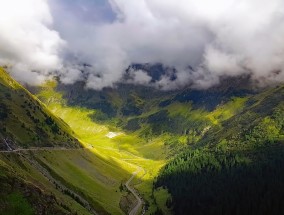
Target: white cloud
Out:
[71,74]
[139,77]
[216,38]
[26,39]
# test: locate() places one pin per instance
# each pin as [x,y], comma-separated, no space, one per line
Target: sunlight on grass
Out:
[163,198]
[108,162]
[227,110]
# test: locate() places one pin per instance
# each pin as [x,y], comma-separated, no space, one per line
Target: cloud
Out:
[139,77]
[71,74]
[216,38]
[27,41]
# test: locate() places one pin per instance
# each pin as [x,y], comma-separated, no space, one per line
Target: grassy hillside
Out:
[127,150]
[26,122]
[95,177]
[237,167]
[151,112]
[150,127]
[53,177]
[25,190]
[134,129]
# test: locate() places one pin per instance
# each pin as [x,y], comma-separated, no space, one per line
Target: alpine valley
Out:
[133,149]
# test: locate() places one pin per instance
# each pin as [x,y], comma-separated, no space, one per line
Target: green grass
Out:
[90,174]
[125,152]
[178,108]
[162,196]
[144,180]
[17,168]
[112,161]
[16,204]
[228,110]
[97,171]
[23,118]
[221,113]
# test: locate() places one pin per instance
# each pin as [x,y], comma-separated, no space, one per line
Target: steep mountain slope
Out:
[231,137]
[42,166]
[35,169]
[27,127]
[117,147]
[26,122]
[28,188]
[224,138]
[152,125]
[151,112]
[237,167]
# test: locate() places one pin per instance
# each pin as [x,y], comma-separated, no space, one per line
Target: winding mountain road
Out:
[134,210]
[10,150]
[59,185]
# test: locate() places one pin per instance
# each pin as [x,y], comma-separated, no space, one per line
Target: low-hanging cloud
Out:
[216,38]
[27,41]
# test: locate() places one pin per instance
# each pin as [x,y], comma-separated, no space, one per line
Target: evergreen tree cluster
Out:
[204,182]
[236,168]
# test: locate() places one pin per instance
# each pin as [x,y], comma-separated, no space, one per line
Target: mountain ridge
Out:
[25,121]
[175,135]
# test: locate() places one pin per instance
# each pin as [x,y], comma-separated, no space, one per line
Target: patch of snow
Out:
[112,134]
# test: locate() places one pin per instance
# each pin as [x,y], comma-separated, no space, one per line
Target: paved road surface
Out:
[134,210]
[60,186]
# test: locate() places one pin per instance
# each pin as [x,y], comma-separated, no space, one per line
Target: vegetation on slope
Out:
[151,112]
[24,188]
[151,127]
[148,128]
[25,121]
[237,166]
[126,152]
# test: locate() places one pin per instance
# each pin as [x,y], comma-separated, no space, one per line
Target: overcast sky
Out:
[43,38]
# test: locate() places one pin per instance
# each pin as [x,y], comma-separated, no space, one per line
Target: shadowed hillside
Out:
[26,122]
[237,167]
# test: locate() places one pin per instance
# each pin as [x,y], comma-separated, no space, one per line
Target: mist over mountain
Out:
[142,107]
[221,38]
